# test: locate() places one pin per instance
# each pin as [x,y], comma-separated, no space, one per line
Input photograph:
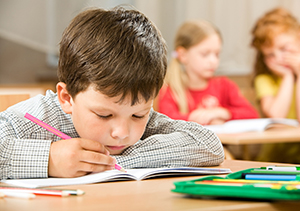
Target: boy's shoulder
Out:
[37,105]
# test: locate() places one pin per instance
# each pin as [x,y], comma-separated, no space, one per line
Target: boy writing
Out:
[112,64]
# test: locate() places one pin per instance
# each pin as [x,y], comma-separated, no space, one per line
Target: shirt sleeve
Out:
[21,157]
[24,145]
[265,86]
[168,106]
[173,143]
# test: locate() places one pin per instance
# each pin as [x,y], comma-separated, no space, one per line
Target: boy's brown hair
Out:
[120,52]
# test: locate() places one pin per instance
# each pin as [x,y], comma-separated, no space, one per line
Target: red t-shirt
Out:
[220,92]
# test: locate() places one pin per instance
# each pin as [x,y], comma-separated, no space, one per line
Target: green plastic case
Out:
[248,191]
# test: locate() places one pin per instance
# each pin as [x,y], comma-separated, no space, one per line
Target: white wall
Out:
[39,23]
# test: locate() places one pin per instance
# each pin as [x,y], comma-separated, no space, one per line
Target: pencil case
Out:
[194,188]
[239,174]
[197,188]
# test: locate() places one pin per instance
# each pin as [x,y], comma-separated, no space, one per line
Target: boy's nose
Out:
[120,131]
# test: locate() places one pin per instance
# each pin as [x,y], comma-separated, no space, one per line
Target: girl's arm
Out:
[234,102]
[298,98]
[207,116]
[278,106]
[168,106]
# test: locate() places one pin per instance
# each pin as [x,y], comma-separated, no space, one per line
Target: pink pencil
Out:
[58,133]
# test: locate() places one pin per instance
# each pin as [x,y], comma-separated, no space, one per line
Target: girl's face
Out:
[201,60]
[283,44]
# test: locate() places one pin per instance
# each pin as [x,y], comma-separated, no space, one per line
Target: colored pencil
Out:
[273,172]
[41,191]
[266,176]
[257,185]
[16,194]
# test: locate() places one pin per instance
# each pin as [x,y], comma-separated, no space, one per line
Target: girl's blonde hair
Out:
[189,34]
[273,23]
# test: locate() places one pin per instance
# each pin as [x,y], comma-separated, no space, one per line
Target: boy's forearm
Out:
[189,145]
[22,158]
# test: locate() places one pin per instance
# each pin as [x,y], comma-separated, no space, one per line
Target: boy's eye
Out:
[104,116]
[138,117]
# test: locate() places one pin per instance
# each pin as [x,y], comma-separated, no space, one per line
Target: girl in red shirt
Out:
[192,92]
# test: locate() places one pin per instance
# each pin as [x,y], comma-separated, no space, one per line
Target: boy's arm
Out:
[170,143]
[21,158]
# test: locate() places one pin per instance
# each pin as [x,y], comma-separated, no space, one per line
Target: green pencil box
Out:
[238,174]
[246,191]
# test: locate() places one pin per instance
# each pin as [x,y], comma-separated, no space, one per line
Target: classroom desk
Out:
[282,134]
[152,195]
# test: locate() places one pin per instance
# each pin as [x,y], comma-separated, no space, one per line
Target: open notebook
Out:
[249,125]
[115,175]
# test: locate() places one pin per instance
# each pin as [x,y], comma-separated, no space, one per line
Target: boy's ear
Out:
[181,53]
[64,98]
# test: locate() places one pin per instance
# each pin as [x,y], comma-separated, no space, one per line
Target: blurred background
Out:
[30,31]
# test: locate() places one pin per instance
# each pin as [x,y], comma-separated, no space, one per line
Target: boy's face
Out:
[100,118]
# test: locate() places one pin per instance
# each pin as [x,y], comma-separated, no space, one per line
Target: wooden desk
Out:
[270,136]
[274,135]
[152,195]
[31,89]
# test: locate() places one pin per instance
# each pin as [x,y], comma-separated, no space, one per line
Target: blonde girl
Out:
[191,90]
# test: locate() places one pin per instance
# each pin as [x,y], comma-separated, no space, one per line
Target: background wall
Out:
[39,24]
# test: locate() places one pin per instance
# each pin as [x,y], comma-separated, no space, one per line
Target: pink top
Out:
[220,92]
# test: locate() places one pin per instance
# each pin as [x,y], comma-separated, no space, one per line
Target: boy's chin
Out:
[116,152]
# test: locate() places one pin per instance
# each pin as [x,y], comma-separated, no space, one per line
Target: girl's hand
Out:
[279,69]
[202,116]
[207,116]
[292,59]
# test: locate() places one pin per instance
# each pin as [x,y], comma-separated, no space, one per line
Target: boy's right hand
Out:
[77,157]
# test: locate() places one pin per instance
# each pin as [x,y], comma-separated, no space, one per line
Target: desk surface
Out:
[274,135]
[152,194]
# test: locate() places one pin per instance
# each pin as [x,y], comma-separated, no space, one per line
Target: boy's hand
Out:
[77,157]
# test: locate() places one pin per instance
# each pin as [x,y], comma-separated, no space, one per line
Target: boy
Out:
[111,67]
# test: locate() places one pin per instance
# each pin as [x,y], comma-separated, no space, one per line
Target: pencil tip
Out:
[80,192]
[123,170]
